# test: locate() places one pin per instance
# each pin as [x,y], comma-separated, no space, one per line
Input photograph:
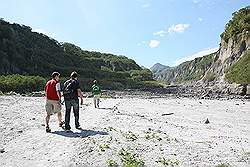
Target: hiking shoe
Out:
[68,131]
[79,127]
[61,124]
[48,130]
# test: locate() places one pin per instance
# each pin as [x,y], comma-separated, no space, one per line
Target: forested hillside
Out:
[34,54]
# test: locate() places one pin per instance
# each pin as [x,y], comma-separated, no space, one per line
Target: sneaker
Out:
[48,130]
[68,131]
[79,127]
[61,124]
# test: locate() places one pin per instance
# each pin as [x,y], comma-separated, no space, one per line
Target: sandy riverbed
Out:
[152,129]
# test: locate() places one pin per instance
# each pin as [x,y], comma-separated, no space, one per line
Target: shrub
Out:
[210,77]
[112,163]
[21,84]
[168,162]
[240,71]
[129,159]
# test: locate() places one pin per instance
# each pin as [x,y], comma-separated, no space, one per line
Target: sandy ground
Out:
[152,129]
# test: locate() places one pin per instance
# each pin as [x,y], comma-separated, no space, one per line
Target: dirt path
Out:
[153,129]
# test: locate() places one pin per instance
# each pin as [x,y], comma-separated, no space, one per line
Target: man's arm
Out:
[59,95]
[58,91]
[79,92]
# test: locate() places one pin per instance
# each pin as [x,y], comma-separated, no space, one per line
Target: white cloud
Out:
[53,35]
[141,43]
[178,28]
[161,33]
[153,43]
[200,19]
[146,5]
[198,54]
[196,1]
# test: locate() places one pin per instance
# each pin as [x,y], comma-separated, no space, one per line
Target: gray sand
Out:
[162,127]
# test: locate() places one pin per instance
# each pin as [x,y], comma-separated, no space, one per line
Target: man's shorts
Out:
[53,106]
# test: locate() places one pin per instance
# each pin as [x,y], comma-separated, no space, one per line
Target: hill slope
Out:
[30,53]
[235,43]
[188,71]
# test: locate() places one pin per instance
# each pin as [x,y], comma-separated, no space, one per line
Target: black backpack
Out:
[68,90]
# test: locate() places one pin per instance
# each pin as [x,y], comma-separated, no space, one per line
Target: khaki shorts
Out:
[53,106]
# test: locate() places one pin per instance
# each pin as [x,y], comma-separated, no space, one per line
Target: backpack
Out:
[68,91]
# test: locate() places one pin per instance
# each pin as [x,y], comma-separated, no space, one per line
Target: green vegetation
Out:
[238,24]
[240,71]
[129,159]
[103,147]
[130,136]
[188,71]
[21,84]
[109,129]
[112,163]
[168,162]
[30,53]
[237,29]
[210,77]
[223,165]
[152,135]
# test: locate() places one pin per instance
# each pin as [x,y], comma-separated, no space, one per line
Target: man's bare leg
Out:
[47,119]
[59,116]
[47,122]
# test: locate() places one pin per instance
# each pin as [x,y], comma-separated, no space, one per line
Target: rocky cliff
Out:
[230,64]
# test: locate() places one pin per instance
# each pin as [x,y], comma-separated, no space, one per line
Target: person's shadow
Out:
[82,134]
[103,108]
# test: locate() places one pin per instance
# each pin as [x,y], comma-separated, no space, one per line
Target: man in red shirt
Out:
[53,99]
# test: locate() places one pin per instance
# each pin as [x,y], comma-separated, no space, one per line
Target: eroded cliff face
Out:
[229,53]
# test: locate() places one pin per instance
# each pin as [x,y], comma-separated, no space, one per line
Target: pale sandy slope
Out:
[182,136]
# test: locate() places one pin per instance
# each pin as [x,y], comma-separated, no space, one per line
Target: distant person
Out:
[71,92]
[96,91]
[53,99]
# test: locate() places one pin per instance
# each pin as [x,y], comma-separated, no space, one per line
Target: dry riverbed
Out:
[140,131]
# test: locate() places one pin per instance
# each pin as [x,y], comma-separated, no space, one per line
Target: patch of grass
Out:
[223,165]
[130,136]
[210,77]
[1,93]
[153,135]
[112,163]
[168,162]
[109,129]
[240,71]
[129,159]
[103,147]
[247,153]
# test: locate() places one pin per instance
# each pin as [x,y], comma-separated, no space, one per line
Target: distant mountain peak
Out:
[158,67]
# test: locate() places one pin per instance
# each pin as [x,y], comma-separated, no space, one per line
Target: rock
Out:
[33,118]
[167,114]
[12,94]
[20,131]
[207,121]
[38,94]
[248,90]
[2,150]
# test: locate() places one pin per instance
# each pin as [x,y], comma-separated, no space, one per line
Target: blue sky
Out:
[148,31]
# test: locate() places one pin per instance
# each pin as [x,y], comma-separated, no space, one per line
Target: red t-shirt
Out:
[50,90]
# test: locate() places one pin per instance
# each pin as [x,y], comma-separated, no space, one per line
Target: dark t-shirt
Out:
[74,86]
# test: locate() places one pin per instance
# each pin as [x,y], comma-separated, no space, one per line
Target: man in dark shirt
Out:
[71,93]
